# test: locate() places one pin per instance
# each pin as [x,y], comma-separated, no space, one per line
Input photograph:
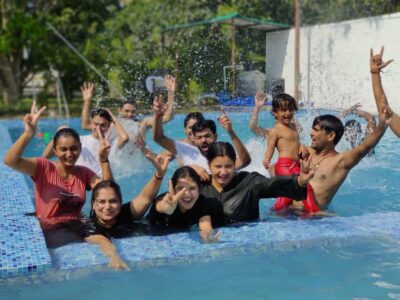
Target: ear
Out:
[331,136]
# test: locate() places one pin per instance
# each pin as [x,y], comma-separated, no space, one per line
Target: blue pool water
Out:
[354,255]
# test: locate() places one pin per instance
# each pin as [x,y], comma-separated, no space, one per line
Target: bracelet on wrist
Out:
[375,72]
[158,178]
[104,160]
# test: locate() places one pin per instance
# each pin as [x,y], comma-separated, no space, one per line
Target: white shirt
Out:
[90,153]
[191,155]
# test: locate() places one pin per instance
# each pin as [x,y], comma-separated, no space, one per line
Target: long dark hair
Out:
[221,149]
[185,172]
[103,185]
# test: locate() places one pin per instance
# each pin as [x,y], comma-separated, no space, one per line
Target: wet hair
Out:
[64,132]
[102,113]
[104,185]
[198,116]
[353,124]
[221,149]
[126,101]
[204,124]
[283,101]
[157,93]
[330,123]
[185,172]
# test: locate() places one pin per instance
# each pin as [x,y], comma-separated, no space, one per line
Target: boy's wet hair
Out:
[193,115]
[218,149]
[103,185]
[65,132]
[126,101]
[284,101]
[201,125]
[330,123]
[185,172]
[101,112]
[353,124]
[159,92]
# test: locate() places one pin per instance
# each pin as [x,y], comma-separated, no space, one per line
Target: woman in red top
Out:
[60,186]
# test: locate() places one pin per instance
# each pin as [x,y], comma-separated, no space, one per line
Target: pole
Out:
[297,50]
[233,57]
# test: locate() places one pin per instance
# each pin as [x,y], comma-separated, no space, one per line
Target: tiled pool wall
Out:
[22,246]
[23,249]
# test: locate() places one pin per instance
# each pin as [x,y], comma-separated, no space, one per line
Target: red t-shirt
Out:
[59,200]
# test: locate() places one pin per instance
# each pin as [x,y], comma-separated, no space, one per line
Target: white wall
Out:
[334,61]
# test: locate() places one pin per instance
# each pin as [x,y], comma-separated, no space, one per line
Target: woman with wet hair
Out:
[60,186]
[238,194]
[111,218]
[183,206]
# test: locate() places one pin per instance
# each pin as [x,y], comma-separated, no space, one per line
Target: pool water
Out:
[342,266]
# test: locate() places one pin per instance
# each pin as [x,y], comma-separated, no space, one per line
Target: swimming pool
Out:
[352,256]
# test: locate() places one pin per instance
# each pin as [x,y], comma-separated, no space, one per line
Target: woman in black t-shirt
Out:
[109,216]
[183,206]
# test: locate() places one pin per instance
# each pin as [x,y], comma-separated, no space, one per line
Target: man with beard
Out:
[204,133]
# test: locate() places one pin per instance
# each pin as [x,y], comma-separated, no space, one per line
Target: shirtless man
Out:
[376,66]
[331,167]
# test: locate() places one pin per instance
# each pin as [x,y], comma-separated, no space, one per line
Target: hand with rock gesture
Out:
[31,119]
[376,62]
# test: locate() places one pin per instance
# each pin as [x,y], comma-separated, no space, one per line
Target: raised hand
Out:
[87,91]
[104,145]
[170,83]
[259,99]
[224,121]
[171,199]
[31,119]
[160,162]
[376,62]
[159,107]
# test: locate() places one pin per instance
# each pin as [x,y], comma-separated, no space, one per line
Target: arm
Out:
[272,142]
[206,230]
[142,202]
[371,124]
[122,136]
[87,94]
[170,84]
[243,156]
[259,100]
[108,250]
[13,157]
[352,157]
[158,133]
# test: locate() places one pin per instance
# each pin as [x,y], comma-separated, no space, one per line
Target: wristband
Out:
[158,178]
[104,160]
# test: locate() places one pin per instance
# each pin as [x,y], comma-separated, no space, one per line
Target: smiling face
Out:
[222,170]
[191,195]
[188,128]
[284,115]
[203,140]
[127,111]
[67,149]
[107,206]
[320,138]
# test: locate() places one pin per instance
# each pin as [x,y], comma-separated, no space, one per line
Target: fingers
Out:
[381,52]
[216,236]
[39,113]
[171,188]
[100,134]
[179,195]
[204,176]
[33,108]
[371,53]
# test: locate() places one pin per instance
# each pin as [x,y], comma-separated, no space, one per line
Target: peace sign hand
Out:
[376,62]
[104,145]
[171,199]
[31,119]
[160,162]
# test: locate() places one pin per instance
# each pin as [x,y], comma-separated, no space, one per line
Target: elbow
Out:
[246,161]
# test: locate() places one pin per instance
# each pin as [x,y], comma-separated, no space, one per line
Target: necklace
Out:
[321,160]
